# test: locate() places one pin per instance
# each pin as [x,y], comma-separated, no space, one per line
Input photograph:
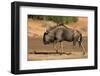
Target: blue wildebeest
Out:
[62,33]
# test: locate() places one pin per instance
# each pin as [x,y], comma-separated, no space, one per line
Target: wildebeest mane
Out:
[58,26]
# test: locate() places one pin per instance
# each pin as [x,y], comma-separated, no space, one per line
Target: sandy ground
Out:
[74,55]
[39,51]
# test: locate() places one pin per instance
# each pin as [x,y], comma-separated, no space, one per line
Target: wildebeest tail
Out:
[80,40]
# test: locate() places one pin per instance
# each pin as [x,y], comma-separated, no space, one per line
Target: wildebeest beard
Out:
[49,40]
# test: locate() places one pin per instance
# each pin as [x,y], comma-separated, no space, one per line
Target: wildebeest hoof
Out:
[68,53]
[83,53]
[57,51]
[60,53]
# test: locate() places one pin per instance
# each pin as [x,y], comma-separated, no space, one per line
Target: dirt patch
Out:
[39,51]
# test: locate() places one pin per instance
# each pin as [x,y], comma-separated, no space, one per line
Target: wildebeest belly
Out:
[68,36]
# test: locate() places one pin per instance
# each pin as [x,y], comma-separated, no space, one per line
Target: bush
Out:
[57,19]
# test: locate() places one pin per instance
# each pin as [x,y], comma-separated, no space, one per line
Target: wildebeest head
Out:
[48,38]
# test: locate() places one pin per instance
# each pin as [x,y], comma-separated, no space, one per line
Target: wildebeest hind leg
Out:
[83,49]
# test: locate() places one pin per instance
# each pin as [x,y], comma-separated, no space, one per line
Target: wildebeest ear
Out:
[45,33]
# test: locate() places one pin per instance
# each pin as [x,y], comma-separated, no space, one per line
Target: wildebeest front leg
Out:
[54,46]
[61,47]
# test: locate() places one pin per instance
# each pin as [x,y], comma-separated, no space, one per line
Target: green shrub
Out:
[57,19]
